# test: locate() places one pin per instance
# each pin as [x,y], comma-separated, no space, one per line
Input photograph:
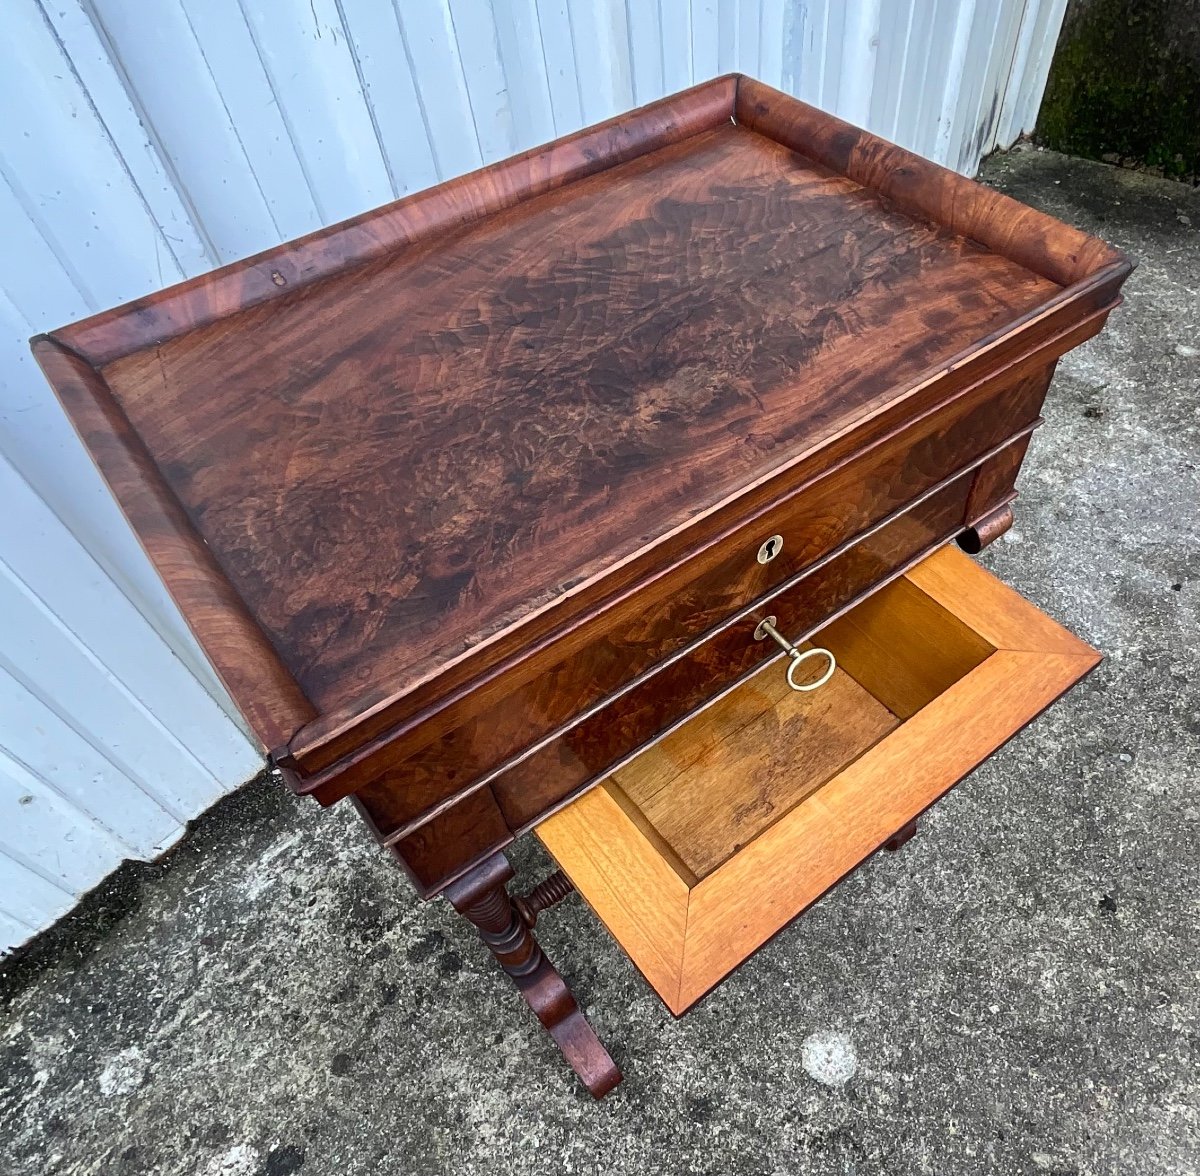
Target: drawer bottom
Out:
[705,845]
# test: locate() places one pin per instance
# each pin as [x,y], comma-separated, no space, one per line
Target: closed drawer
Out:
[698,850]
[524,790]
[653,625]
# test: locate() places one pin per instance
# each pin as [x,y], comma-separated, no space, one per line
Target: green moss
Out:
[1126,82]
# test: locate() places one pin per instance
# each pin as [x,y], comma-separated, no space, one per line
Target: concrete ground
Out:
[1017,991]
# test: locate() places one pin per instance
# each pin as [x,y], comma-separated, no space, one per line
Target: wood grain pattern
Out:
[274,705]
[625,879]
[1031,238]
[991,608]
[525,790]
[712,787]
[983,664]
[735,910]
[482,898]
[986,530]
[444,848]
[561,394]
[377,432]
[608,650]
[904,646]
[461,498]
[403,224]
[413,719]
[996,479]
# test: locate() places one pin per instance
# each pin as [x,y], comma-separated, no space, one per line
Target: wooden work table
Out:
[477,504]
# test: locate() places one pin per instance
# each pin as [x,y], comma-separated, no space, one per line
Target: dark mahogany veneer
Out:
[462,497]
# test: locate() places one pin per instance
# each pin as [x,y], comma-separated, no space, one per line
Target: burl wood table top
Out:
[446,427]
[392,464]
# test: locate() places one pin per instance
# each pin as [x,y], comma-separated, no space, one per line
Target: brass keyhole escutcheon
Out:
[770,549]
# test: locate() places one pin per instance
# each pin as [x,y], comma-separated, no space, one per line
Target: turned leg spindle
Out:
[542,897]
[482,897]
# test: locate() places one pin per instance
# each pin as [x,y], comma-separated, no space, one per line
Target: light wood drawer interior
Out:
[702,847]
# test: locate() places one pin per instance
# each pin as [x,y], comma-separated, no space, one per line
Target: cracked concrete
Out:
[1016,991]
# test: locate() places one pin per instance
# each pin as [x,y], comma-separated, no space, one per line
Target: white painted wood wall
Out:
[145,141]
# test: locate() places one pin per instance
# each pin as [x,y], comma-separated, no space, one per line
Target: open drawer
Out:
[708,842]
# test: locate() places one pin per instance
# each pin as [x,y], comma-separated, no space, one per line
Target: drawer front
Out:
[699,850]
[649,626]
[525,791]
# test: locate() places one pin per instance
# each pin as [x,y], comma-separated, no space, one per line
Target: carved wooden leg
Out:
[481,897]
[989,528]
[901,836]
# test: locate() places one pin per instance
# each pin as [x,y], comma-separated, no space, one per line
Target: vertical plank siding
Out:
[140,147]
